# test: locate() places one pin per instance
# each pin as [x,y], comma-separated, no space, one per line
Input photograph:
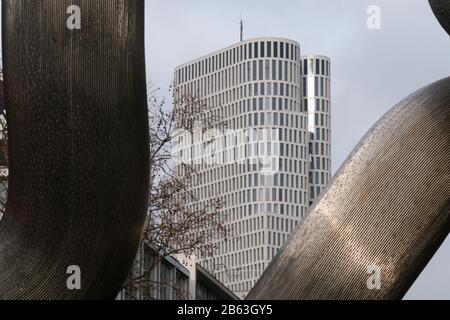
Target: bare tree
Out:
[178,222]
[3,152]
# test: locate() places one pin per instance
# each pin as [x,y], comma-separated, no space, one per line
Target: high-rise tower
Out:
[255,86]
[316,92]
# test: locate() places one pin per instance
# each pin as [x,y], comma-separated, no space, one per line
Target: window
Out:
[316,86]
[275,49]
[281,49]
[261,70]
[285,71]
[256,49]
[280,70]
[262,45]
[166,281]
[182,286]
[269,49]
[321,87]
[274,69]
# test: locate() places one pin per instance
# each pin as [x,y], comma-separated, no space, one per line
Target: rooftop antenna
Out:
[242,29]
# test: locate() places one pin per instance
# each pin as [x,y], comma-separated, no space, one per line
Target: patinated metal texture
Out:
[388,207]
[441,9]
[76,104]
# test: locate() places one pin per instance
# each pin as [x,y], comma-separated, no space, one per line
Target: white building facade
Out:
[316,91]
[256,88]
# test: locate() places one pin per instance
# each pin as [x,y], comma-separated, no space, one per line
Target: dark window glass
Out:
[285,71]
[250,56]
[321,87]
[275,49]
[281,49]
[305,66]
[261,70]
[323,67]
[316,86]
[280,70]
[269,49]
[274,69]
[317,66]
[256,50]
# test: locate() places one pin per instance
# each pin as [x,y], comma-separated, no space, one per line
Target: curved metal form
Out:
[78,126]
[386,212]
[384,215]
[441,9]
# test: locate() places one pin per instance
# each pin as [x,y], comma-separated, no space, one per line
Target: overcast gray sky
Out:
[372,70]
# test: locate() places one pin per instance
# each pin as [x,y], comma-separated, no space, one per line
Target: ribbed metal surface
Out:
[441,9]
[388,206]
[77,117]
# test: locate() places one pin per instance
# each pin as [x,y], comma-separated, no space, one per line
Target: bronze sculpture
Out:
[441,9]
[387,210]
[76,101]
[78,134]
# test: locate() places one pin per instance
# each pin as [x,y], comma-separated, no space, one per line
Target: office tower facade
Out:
[316,92]
[255,88]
